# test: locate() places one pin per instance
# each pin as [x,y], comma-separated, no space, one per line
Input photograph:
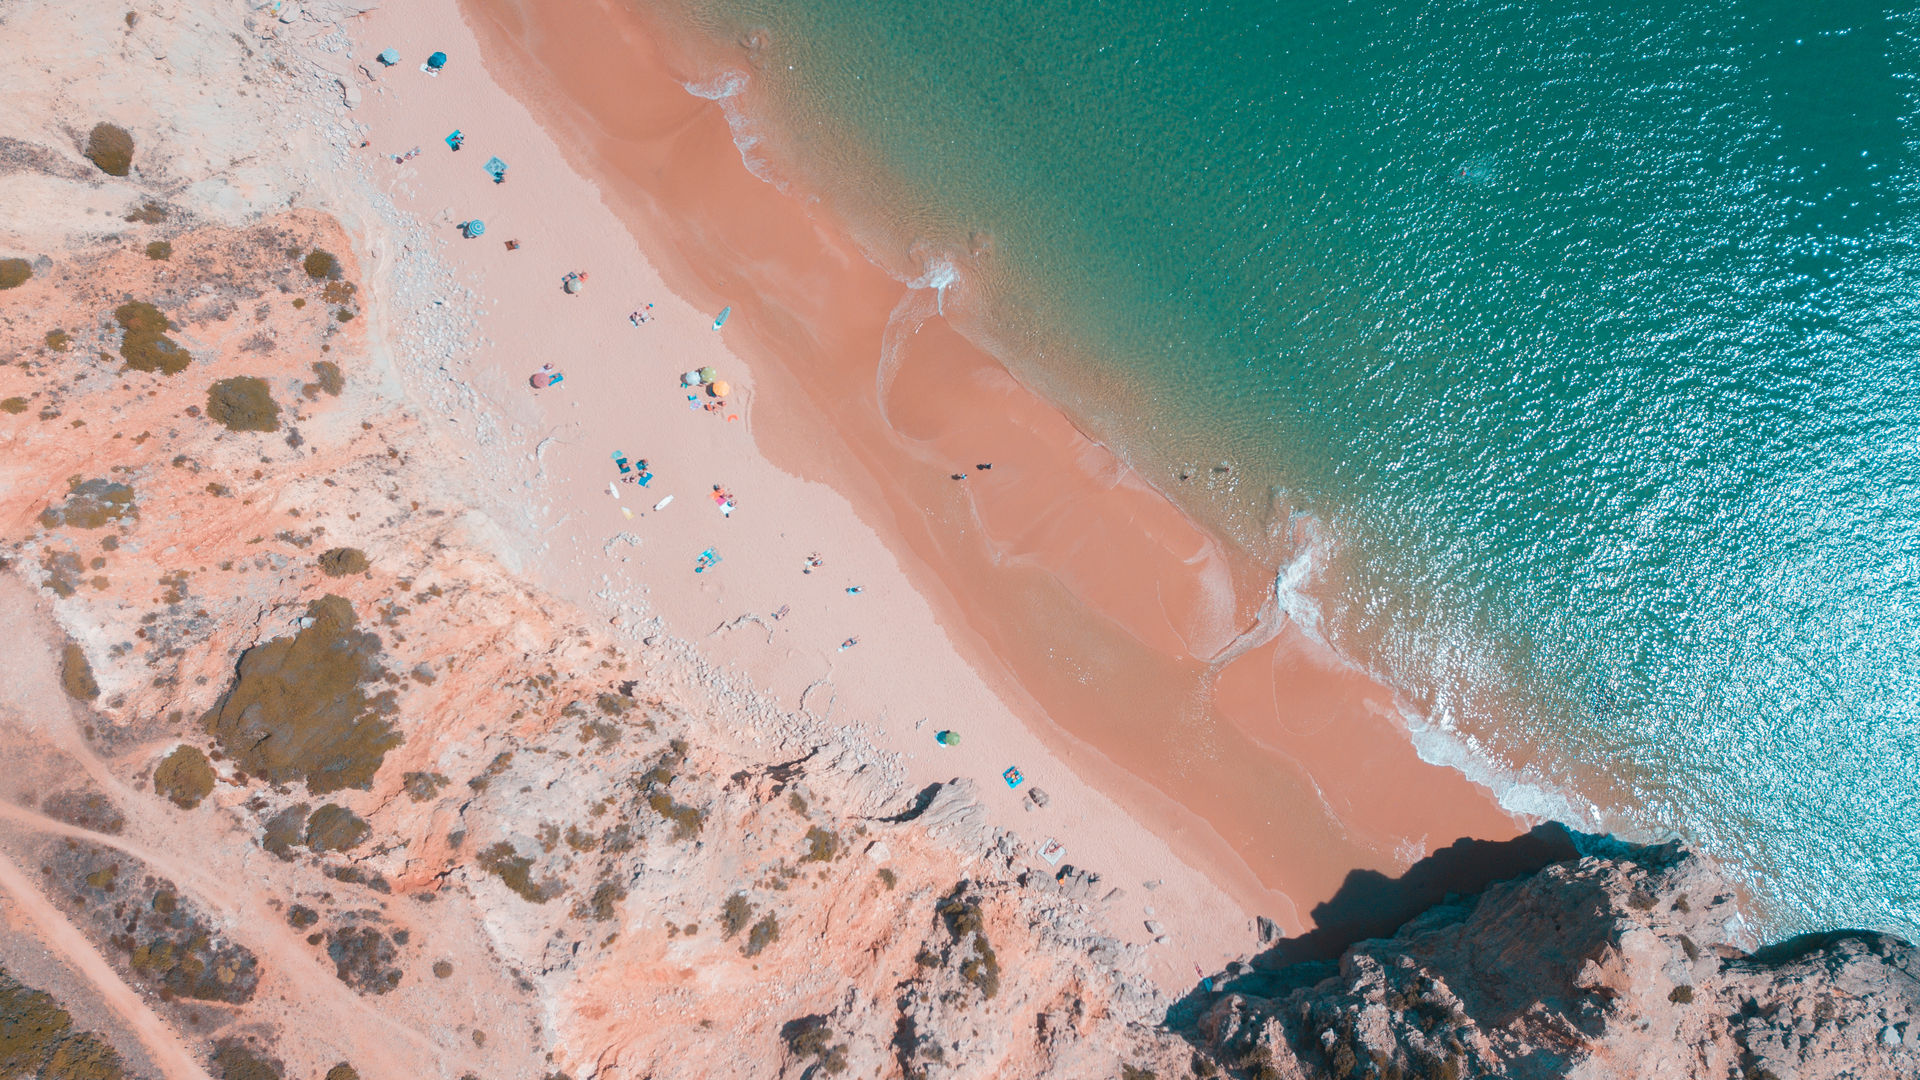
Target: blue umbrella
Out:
[437,61]
[496,169]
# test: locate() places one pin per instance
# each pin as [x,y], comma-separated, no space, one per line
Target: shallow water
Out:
[1584,338]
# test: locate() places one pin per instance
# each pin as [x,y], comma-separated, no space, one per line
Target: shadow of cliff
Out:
[1369,904]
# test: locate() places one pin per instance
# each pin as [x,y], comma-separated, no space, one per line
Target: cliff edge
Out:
[1627,965]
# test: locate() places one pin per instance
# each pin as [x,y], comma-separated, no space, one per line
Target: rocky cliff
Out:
[1621,966]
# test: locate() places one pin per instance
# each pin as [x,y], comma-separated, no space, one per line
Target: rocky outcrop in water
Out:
[1627,966]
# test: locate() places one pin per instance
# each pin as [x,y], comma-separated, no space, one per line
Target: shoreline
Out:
[1060,569]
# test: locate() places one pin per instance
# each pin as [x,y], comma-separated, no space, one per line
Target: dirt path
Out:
[165,1046]
[202,859]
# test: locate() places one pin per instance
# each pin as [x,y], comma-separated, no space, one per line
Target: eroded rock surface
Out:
[1625,966]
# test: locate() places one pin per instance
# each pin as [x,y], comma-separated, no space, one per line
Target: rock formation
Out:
[1624,966]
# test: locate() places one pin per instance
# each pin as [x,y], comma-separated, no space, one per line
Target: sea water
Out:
[1583,338]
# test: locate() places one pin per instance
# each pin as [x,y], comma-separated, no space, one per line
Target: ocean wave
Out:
[1439,741]
[728,89]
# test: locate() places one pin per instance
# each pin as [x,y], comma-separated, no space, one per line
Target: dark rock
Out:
[1616,967]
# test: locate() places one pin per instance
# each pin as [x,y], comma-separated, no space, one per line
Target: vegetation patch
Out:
[343,561]
[91,504]
[735,914]
[338,292]
[296,709]
[364,959]
[335,828]
[184,776]
[285,830]
[15,273]
[111,148]
[515,871]
[238,1061]
[13,406]
[37,1039]
[86,810]
[810,1037]
[606,901]
[151,213]
[76,674]
[822,845]
[964,921]
[422,786]
[243,403]
[764,933]
[343,1071]
[300,916]
[331,380]
[687,820]
[144,343]
[159,251]
[321,265]
[59,340]
[186,960]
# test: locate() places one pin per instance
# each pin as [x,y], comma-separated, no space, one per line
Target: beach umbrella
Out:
[721,320]
[719,388]
[574,284]
[706,375]
[496,169]
[389,57]
[689,378]
[474,228]
[437,61]
[540,380]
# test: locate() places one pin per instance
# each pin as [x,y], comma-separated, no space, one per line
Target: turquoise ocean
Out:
[1582,340]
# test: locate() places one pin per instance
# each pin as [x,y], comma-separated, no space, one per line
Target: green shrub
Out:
[144,345]
[243,403]
[321,265]
[111,148]
[159,250]
[735,914]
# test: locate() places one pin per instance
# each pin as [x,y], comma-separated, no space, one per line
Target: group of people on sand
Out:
[639,472]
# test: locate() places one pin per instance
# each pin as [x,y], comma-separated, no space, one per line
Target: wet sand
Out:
[1086,601]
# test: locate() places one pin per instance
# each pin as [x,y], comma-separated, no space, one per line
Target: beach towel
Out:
[1012,777]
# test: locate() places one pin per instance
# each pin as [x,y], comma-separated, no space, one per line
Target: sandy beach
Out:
[1087,618]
